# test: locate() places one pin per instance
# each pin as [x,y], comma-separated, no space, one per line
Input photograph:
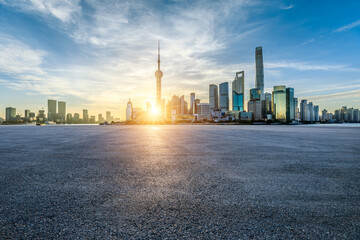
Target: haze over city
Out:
[96,55]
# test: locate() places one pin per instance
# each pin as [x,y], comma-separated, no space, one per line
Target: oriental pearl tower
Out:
[158,75]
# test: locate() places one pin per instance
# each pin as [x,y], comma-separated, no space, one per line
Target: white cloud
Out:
[348,27]
[289,7]
[307,66]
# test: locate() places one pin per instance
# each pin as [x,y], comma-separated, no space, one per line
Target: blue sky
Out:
[97,54]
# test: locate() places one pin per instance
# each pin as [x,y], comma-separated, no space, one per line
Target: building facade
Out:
[213,97]
[224,96]
[238,92]
[278,103]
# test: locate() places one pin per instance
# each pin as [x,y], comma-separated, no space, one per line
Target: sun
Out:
[155,111]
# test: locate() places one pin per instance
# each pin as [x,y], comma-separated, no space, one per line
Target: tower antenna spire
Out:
[158,54]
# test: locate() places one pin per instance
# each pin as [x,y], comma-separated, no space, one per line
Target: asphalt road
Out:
[171,182]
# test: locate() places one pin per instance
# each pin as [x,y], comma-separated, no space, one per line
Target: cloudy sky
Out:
[98,54]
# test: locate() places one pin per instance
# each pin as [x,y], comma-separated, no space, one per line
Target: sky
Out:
[96,55]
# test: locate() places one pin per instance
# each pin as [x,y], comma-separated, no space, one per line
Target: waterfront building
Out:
[183,106]
[51,110]
[224,96]
[27,113]
[192,101]
[108,116]
[32,115]
[290,104]
[304,112]
[343,114]
[311,112]
[69,118]
[255,107]
[324,115]
[10,114]
[267,104]
[279,103]
[129,111]
[356,117]
[61,111]
[337,115]
[92,119]
[350,114]
[85,116]
[297,111]
[259,69]
[203,111]
[316,113]
[213,97]
[238,92]
[101,119]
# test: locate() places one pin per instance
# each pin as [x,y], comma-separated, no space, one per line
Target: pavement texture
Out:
[180,182]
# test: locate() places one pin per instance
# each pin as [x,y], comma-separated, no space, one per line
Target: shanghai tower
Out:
[259,65]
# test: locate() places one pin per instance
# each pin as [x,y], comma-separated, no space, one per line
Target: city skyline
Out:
[99,70]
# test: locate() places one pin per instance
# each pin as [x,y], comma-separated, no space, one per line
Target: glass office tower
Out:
[224,96]
[213,97]
[279,103]
[290,104]
[238,92]
[255,94]
[259,67]
[267,104]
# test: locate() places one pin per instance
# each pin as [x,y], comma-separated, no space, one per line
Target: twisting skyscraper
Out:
[158,75]
[259,65]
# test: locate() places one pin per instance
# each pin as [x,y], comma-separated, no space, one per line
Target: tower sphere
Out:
[158,74]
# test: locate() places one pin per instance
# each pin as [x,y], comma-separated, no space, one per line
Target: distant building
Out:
[279,103]
[192,101]
[316,113]
[129,111]
[85,116]
[267,105]
[92,119]
[69,118]
[27,113]
[297,111]
[100,118]
[324,115]
[61,111]
[259,68]
[203,111]
[290,104]
[51,110]
[254,107]
[213,97]
[224,96]
[311,112]
[108,116]
[304,113]
[10,114]
[238,92]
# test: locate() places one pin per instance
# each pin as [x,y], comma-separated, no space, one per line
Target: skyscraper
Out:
[27,113]
[311,116]
[304,111]
[61,111]
[10,114]
[279,103]
[259,68]
[290,104]
[267,107]
[213,97]
[108,116]
[51,110]
[85,116]
[238,91]
[255,94]
[158,75]
[192,101]
[297,113]
[224,96]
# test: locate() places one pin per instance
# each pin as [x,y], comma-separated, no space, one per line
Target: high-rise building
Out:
[254,106]
[267,108]
[255,94]
[10,114]
[259,67]
[203,111]
[238,90]
[100,118]
[129,111]
[311,112]
[324,115]
[290,104]
[279,103]
[158,75]
[27,113]
[85,116]
[196,103]
[61,110]
[304,111]
[51,110]
[213,97]
[316,113]
[92,119]
[297,112]
[356,115]
[224,96]
[192,100]
[108,116]
[69,118]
